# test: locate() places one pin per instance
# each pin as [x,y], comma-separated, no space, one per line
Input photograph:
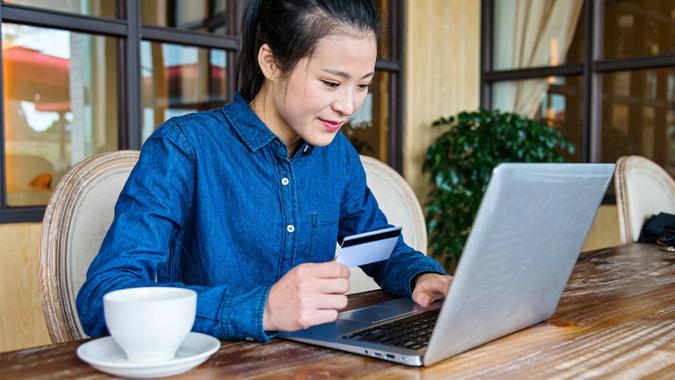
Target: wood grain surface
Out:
[616,319]
[21,320]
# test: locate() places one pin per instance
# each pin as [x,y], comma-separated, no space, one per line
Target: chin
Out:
[322,140]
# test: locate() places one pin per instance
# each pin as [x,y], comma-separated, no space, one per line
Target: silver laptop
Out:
[525,240]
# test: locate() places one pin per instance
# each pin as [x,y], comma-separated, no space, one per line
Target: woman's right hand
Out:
[309,294]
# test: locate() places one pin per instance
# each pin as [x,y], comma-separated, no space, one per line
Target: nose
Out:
[345,103]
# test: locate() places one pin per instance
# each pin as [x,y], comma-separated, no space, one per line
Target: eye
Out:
[364,87]
[330,84]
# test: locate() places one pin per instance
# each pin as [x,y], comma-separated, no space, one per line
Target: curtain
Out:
[531,33]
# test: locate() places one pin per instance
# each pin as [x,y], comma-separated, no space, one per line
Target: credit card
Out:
[368,247]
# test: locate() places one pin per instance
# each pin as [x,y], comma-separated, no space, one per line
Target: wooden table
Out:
[616,319]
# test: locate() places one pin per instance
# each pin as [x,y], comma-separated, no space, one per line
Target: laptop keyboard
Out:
[412,332]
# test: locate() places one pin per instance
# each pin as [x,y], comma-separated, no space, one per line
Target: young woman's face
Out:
[324,90]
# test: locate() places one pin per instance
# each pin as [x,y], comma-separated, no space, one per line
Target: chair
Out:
[400,205]
[77,217]
[643,189]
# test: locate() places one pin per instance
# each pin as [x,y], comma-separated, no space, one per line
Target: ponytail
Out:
[249,78]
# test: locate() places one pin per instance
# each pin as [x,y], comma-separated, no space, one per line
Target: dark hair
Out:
[292,29]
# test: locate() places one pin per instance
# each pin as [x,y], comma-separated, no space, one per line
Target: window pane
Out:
[368,129]
[635,28]
[537,33]
[60,104]
[180,79]
[385,45]
[638,115]
[98,8]
[559,101]
[195,15]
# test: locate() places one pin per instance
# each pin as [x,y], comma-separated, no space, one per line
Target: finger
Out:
[421,298]
[436,284]
[331,269]
[331,301]
[332,285]
[324,316]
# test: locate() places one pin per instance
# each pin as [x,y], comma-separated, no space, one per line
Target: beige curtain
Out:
[540,35]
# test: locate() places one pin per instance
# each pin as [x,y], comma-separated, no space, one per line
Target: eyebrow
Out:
[344,74]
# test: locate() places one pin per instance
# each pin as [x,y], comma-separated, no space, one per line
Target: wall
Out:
[605,229]
[21,321]
[442,74]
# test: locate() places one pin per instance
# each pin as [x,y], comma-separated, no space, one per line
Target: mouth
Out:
[331,125]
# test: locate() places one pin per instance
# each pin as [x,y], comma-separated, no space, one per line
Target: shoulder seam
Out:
[179,129]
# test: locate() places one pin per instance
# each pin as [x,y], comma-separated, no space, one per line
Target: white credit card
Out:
[368,247]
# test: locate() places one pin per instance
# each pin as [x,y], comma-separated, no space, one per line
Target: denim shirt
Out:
[214,204]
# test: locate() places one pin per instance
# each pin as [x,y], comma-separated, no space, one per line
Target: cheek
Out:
[360,98]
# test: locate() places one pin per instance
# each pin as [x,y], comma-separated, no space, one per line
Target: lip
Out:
[331,125]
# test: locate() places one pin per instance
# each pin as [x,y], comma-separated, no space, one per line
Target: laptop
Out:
[525,240]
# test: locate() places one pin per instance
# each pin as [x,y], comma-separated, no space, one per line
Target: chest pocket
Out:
[324,236]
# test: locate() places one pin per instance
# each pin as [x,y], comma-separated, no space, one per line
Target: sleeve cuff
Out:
[242,315]
[429,266]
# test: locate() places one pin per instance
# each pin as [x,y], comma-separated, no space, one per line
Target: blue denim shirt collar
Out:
[252,131]
[247,124]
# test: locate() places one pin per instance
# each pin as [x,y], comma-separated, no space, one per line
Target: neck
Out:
[263,106]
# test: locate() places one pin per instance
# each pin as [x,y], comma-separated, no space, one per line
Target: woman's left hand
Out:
[430,287]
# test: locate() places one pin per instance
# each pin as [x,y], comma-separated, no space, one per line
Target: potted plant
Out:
[461,160]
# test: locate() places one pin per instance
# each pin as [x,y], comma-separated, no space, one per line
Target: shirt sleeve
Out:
[153,207]
[359,212]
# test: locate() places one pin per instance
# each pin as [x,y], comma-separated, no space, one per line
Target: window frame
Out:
[591,70]
[129,31]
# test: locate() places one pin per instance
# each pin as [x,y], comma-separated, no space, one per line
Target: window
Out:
[81,77]
[602,71]
[177,79]
[376,129]
[60,106]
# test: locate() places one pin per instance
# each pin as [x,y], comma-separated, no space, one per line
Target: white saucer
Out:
[106,356]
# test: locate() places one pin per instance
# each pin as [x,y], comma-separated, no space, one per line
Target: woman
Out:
[244,204]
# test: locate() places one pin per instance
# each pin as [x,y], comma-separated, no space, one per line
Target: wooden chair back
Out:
[76,220]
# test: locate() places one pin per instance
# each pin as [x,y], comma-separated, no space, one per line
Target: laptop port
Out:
[390,356]
[377,354]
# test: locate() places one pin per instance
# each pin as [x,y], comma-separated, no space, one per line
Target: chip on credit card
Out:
[368,247]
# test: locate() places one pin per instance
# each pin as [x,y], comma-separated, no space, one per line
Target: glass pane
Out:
[194,15]
[537,33]
[637,28]
[559,101]
[638,115]
[368,129]
[60,104]
[180,79]
[98,8]
[385,45]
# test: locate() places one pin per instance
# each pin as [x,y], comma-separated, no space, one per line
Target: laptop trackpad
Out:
[371,314]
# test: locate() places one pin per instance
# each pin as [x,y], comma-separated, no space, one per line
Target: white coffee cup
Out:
[150,323]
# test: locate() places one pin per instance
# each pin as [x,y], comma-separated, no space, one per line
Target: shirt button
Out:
[305,149]
[284,181]
[290,228]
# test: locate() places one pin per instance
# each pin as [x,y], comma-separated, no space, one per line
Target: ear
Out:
[267,62]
